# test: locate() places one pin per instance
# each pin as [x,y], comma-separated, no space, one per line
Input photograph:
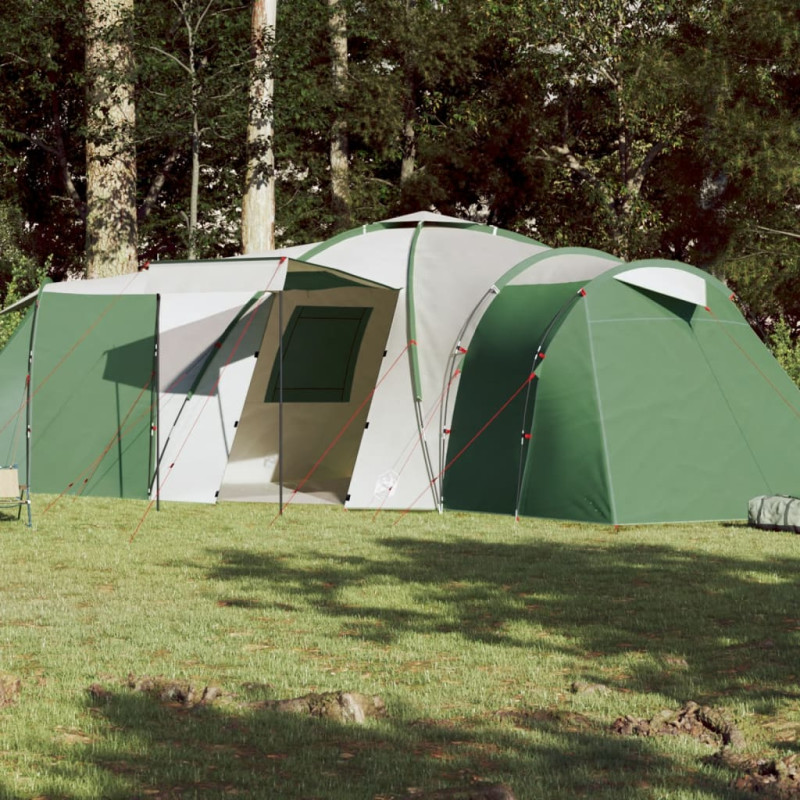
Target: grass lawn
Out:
[471,628]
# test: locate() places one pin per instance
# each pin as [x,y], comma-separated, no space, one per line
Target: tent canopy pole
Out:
[280,402]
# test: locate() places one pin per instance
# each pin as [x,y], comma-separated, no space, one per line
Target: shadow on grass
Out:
[695,623]
[707,627]
[152,749]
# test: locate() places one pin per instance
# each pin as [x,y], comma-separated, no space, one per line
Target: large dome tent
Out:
[642,396]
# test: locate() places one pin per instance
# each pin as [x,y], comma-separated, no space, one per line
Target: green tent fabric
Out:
[13,372]
[92,420]
[655,402]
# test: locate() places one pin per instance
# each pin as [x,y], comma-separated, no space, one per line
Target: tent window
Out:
[320,351]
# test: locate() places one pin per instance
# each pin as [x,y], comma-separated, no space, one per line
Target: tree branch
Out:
[169,55]
[779,233]
[202,16]
[573,162]
[157,185]
[634,183]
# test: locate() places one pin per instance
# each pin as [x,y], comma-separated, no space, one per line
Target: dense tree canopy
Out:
[647,129]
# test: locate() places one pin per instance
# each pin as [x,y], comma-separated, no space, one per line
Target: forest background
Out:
[646,129]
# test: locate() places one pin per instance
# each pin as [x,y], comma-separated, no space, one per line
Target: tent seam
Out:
[606,458]
[733,415]
[416,378]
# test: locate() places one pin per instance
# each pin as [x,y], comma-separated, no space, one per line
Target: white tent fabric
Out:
[320,471]
[188,277]
[200,420]
[561,265]
[443,266]
[668,281]
[421,275]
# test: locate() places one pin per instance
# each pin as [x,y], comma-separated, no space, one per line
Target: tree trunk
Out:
[340,145]
[258,205]
[409,145]
[111,230]
[194,189]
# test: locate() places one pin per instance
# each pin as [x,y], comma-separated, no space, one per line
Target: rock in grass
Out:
[337,706]
[478,791]
[9,689]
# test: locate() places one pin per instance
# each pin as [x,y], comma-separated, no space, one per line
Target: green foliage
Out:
[784,346]
[662,129]
[19,273]
[753,178]
[193,61]
[42,126]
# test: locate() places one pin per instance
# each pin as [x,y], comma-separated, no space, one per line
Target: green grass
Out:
[472,628]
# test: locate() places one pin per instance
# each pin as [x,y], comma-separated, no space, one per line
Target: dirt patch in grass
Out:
[10,688]
[778,778]
[337,706]
[548,717]
[479,791]
[775,779]
[703,723]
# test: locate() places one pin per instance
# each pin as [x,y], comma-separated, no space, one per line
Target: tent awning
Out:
[668,281]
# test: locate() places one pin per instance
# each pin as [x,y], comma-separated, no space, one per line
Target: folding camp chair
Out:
[12,494]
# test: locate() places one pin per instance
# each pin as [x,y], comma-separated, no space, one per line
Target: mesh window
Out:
[320,351]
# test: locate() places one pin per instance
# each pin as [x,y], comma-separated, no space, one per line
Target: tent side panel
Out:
[676,450]
[763,400]
[390,471]
[482,473]
[566,466]
[92,394]
[453,270]
[13,369]
[198,427]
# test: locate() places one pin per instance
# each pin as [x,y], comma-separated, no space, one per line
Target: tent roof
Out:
[23,302]
[390,251]
[426,217]
[668,278]
[560,265]
[230,276]
[379,255]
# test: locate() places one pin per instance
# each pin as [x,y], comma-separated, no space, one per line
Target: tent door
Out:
[334,341]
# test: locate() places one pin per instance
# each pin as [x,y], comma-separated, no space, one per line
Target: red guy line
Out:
[469,443]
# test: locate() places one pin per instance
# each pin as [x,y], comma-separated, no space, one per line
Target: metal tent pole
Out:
[280,402]
[157,388]
[29,411]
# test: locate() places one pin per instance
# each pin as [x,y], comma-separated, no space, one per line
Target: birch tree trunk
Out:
[340,145]
[111,229]
[258,204]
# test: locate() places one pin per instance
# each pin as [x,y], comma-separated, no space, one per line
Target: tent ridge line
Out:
[618,320]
